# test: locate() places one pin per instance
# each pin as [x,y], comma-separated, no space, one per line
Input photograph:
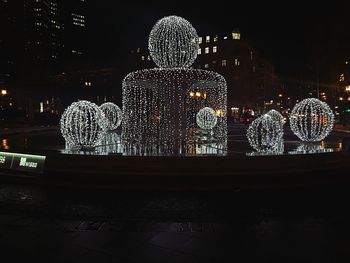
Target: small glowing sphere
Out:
[173,43]
[206,118]
[311,120]
[265,134]
[113,115]
[83,124]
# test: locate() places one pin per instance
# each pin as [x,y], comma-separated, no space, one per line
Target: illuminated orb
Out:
[173,43]
[206,118]
[265,134]
[311,120]
[113,114]
[83,124]
[276,116]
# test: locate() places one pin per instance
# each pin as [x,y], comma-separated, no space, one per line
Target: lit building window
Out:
[347,88]
[206,50]
[206,66]
[200,40]
[143,57]
[207,39]
[342,77]
[236,35]
[215,39]
[138,50]
[341,98]
[199,51]
[223,63]
[215,49]
[237,62]
[3,92]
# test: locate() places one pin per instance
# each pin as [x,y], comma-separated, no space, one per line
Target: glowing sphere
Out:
[83,124]
[113,115]
[311,120]
[206,118]
[265,134]
[173,43]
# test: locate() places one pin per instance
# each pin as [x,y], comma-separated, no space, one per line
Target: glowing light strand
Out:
[83,125]
[173,43]
[311,120]
[265,134]
[113,114]
[206,118]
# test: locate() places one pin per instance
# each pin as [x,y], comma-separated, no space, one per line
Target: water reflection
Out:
[311,148]
[279,150]
[4,145]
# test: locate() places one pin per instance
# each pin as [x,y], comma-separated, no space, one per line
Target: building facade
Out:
[251,80]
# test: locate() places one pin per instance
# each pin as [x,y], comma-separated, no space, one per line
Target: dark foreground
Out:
[303,224]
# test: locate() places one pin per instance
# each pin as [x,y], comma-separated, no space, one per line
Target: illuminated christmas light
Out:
[311,120]
[83,125]
[173,43]
[265,134]
[160,104]
[276,116]
[113,114]
[206,118]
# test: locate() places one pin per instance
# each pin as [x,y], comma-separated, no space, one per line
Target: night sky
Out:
[285,33]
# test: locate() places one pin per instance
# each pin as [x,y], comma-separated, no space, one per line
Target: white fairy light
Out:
[276,116]
[265,134]
[160,104]
[173,43]
[311,120]
[113,114]
[83,125]
[206,118]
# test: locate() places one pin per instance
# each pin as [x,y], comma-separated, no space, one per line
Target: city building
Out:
[41,38]
[251,80]
[342,93]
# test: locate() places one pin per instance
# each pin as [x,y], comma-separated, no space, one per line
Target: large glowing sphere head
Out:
[113,115]
[265,134]
[311,120]
[173,43]
[206,118]
[83,124]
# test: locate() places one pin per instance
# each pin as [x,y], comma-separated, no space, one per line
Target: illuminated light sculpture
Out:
[160,104]
[83,125]
[206,118]
[277,116]
[173,43]
[311,120]
[265,134]
[113,114]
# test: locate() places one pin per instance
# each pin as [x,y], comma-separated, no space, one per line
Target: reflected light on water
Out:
[4,144]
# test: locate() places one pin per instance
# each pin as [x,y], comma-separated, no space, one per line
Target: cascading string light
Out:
[113,114]
[311,120]
[160,104]
[83,125]
[265,134]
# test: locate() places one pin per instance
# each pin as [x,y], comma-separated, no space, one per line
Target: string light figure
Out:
[265,134]
[83,125]
[311,120]
[206,118]
[160,104]
[113,114]
[173,43]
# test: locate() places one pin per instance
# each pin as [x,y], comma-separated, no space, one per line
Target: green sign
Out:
[22,162]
